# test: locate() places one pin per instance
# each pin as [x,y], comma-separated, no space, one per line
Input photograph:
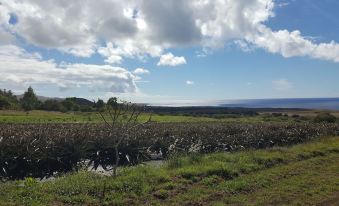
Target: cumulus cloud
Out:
[282,85]
[141,71]
[291,44]
[147,28]
[171,22]
[244,46]
[128,48]
[19,69]
[169,59]
[5,38]
[189,82]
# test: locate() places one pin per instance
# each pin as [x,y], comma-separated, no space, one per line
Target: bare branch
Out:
[121,126]
[102,116]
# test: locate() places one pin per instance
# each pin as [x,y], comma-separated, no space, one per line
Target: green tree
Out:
[76,107]
[51,105]
[86,108]
[8,100]
[100,104]
[29,101]
[68,104]
[4,102]
[113,102]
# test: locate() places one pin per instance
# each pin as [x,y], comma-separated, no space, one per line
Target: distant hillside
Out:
[42,98]
[79,101]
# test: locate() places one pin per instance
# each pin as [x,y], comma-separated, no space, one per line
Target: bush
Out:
[51,105]
[325,117]
[4,103]
[8,100]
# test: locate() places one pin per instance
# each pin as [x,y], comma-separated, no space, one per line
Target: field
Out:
[8,116]
[39,116]
[305,174]
[305,113]
[270,158]
[41,150]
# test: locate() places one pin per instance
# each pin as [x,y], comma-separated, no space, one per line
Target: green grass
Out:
[37,116]
[304,174]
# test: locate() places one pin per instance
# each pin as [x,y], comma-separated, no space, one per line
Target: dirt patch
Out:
[332,201]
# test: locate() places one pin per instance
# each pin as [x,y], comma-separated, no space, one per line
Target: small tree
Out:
[112,102]
[100,104]
[68,104]
[122,118]
[8,100]
[29,101]
[51,105]
[4,102]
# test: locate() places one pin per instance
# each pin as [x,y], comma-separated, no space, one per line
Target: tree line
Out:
[29,101]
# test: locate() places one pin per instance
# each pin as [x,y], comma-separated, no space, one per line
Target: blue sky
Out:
[187,52]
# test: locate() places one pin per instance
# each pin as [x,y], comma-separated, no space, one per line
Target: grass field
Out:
[45,116]
[36,116]
[305,174]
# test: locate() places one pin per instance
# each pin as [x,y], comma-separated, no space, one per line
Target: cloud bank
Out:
[19,69]
[147,28]
[135,29]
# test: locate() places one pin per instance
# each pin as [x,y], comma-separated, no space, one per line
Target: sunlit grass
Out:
[36,116]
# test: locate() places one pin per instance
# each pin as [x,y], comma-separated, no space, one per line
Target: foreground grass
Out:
[38,116]
[304,174]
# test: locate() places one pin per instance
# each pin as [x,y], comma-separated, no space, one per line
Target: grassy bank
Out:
[304,174]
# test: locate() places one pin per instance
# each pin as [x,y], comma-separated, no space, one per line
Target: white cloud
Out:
[19,69]
[4,15]
[189,82]
[139,71]
[291,44]
[169,59]
[283,4]
[5,38]
[128,48]
[282,85]
[141,29]
[244,46]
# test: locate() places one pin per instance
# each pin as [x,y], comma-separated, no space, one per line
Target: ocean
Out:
[302,103]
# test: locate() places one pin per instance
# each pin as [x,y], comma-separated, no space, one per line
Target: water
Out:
[302,103]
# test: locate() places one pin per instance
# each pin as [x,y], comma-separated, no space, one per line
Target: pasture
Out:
[40,116]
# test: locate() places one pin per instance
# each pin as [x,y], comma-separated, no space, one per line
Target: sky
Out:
[176,51]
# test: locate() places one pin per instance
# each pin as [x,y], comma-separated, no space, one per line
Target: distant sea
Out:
[302,103]
[297,103]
